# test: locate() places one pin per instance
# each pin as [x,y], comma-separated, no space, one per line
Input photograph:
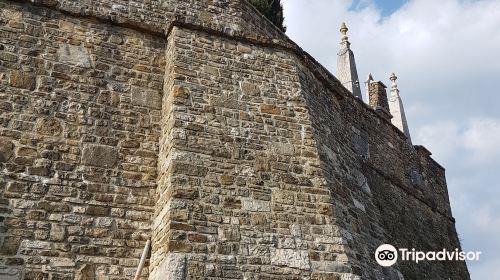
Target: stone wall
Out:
[200,126]
[79,126]
[245,195]
[385,190]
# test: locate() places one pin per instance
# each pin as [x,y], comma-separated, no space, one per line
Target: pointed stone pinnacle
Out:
[393,78]
[343,31]
[343,28]
[369,78]
[346,65]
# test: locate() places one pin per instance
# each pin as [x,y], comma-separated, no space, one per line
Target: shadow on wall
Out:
[384,189]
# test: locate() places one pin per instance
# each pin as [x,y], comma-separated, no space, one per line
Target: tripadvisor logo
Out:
[387,255]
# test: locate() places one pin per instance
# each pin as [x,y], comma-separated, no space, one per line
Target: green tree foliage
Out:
[273,10]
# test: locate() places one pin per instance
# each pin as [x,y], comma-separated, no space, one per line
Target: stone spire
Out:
[369,79]
[346,65]
[397,109]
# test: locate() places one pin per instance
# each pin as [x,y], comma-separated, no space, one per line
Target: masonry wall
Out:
[200,126]
[79,126]
[242,193]
[385,190]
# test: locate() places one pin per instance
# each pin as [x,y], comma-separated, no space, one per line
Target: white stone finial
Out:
[345,38]
[393,79]
[343,29]
[346,65]
[394,86]
[397,109]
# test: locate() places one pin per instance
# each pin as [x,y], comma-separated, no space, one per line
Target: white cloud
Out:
[486,270]
[442,138]
[482,138]
[475,141]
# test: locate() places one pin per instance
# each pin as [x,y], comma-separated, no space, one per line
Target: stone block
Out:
[86,272]
[137,215]
[254,205]
[198,238]
[26,152]
[62,262]
[270,109]
[229,101]
[282,149]
[188,169]
[146,97]
[6,149]
[324,276]
[226,179]
[211,70]
[228,233]
[49,126]
[74,55]
[249,89]
[232,203]
[10,245]
[14,261]
[23,80]
[185,193]
[291,258]
[35,275]
[338,266]
[281,196]
[178,246]
[244,49]
[180,92]
[39,171]
[97,211]
[262,163]
[99,156]
[173,267]
[57,233]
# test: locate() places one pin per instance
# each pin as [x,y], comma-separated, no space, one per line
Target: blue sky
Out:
[387,7]
[446,55]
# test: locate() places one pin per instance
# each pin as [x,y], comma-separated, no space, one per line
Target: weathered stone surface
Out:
[6,149]
[189,169]
[282,149]
[227,179]
[57,232]
[229,233]
[74,55]
[146,97]
[262,163]
[251,169]
[173,267]
[78,116]
[10,245]
[21,79]
[49,126]
[99,156]
[86,272]
[230,101]
[270,109]
[290,257]
[254,205]
[326,276]
[97,211]
[249,89]
[178,246]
